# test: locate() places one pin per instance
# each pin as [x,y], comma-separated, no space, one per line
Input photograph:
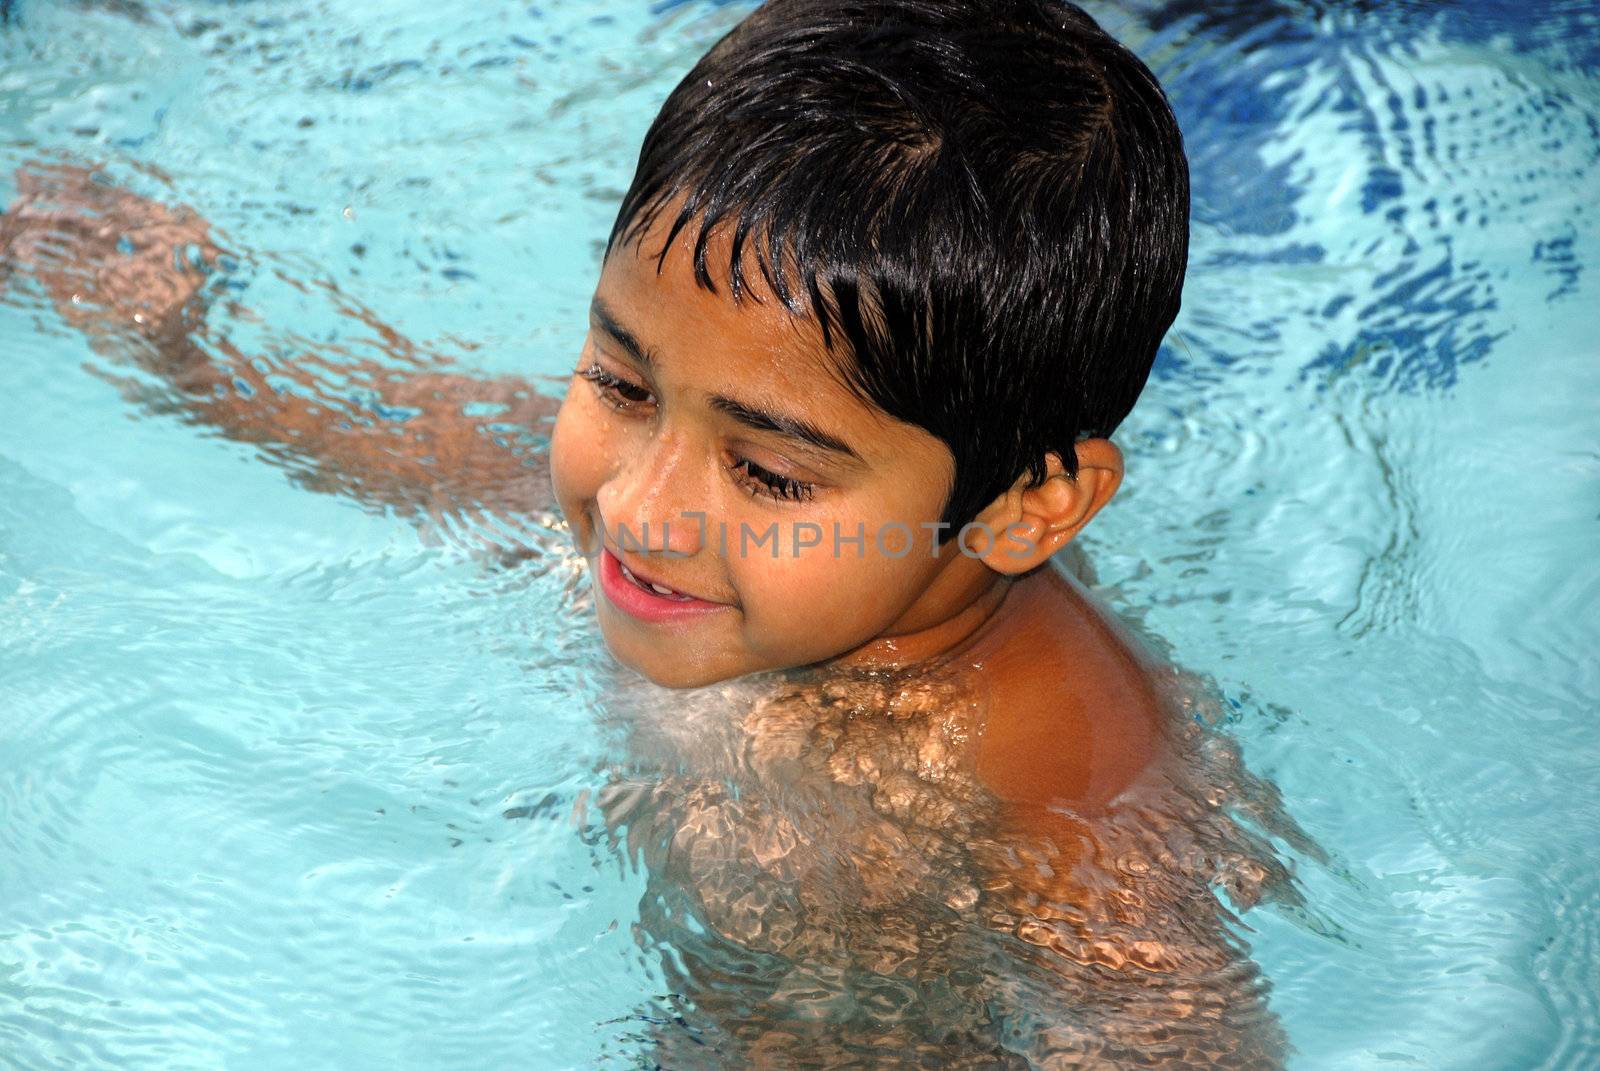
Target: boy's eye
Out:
[760,481]
[625,395]
[618,392]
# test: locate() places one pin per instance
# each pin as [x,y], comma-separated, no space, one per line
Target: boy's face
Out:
[684,404]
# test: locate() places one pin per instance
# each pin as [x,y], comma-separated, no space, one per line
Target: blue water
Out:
[288,781]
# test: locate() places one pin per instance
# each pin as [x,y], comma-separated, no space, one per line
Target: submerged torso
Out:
[942,865]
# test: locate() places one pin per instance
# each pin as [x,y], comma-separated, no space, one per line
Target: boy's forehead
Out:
[754,351]
[755,338]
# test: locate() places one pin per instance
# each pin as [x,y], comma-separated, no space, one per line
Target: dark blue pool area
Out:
[1413,142]
[288,781]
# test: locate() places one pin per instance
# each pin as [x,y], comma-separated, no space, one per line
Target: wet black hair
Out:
[987,201]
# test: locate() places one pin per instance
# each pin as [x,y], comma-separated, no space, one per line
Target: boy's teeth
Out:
[657,588]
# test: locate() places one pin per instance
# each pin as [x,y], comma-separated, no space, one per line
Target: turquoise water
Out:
[288,781]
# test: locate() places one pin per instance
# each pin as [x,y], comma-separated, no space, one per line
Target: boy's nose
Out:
[648,504]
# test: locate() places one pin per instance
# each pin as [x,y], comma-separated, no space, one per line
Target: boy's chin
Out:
[668,672]
[681,680]
[687,664]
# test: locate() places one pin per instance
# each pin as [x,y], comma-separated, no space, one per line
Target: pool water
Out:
[288,781]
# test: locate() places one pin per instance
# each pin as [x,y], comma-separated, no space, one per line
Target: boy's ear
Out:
[1032,523]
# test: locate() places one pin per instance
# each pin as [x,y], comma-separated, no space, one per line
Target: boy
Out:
[888,276]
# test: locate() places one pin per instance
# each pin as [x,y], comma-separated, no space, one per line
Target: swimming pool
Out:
[289,782]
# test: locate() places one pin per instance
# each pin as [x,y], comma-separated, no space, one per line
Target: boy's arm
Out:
[404,433]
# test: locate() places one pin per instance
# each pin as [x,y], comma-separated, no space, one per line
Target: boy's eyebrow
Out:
[601,313]
[758,419]
[791,427]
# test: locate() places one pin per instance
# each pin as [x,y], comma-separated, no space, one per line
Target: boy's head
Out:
[966,223]
[988,202]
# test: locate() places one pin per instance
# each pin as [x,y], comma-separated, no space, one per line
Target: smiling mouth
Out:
[653,588]
[646,601]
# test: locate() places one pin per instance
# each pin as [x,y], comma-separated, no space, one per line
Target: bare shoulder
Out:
[1072,711]
[1124,925]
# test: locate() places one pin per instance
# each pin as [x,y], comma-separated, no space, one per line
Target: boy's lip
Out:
[638,600]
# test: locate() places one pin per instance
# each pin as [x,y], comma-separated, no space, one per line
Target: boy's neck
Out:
[974,609]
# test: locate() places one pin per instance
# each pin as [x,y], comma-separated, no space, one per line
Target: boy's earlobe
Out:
[1032,523]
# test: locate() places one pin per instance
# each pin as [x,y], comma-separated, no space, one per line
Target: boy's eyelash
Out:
[761,481]
[615,388]
[757,480]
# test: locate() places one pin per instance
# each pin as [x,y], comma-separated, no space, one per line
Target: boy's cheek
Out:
[815,591]
[570,479]
[811,575]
